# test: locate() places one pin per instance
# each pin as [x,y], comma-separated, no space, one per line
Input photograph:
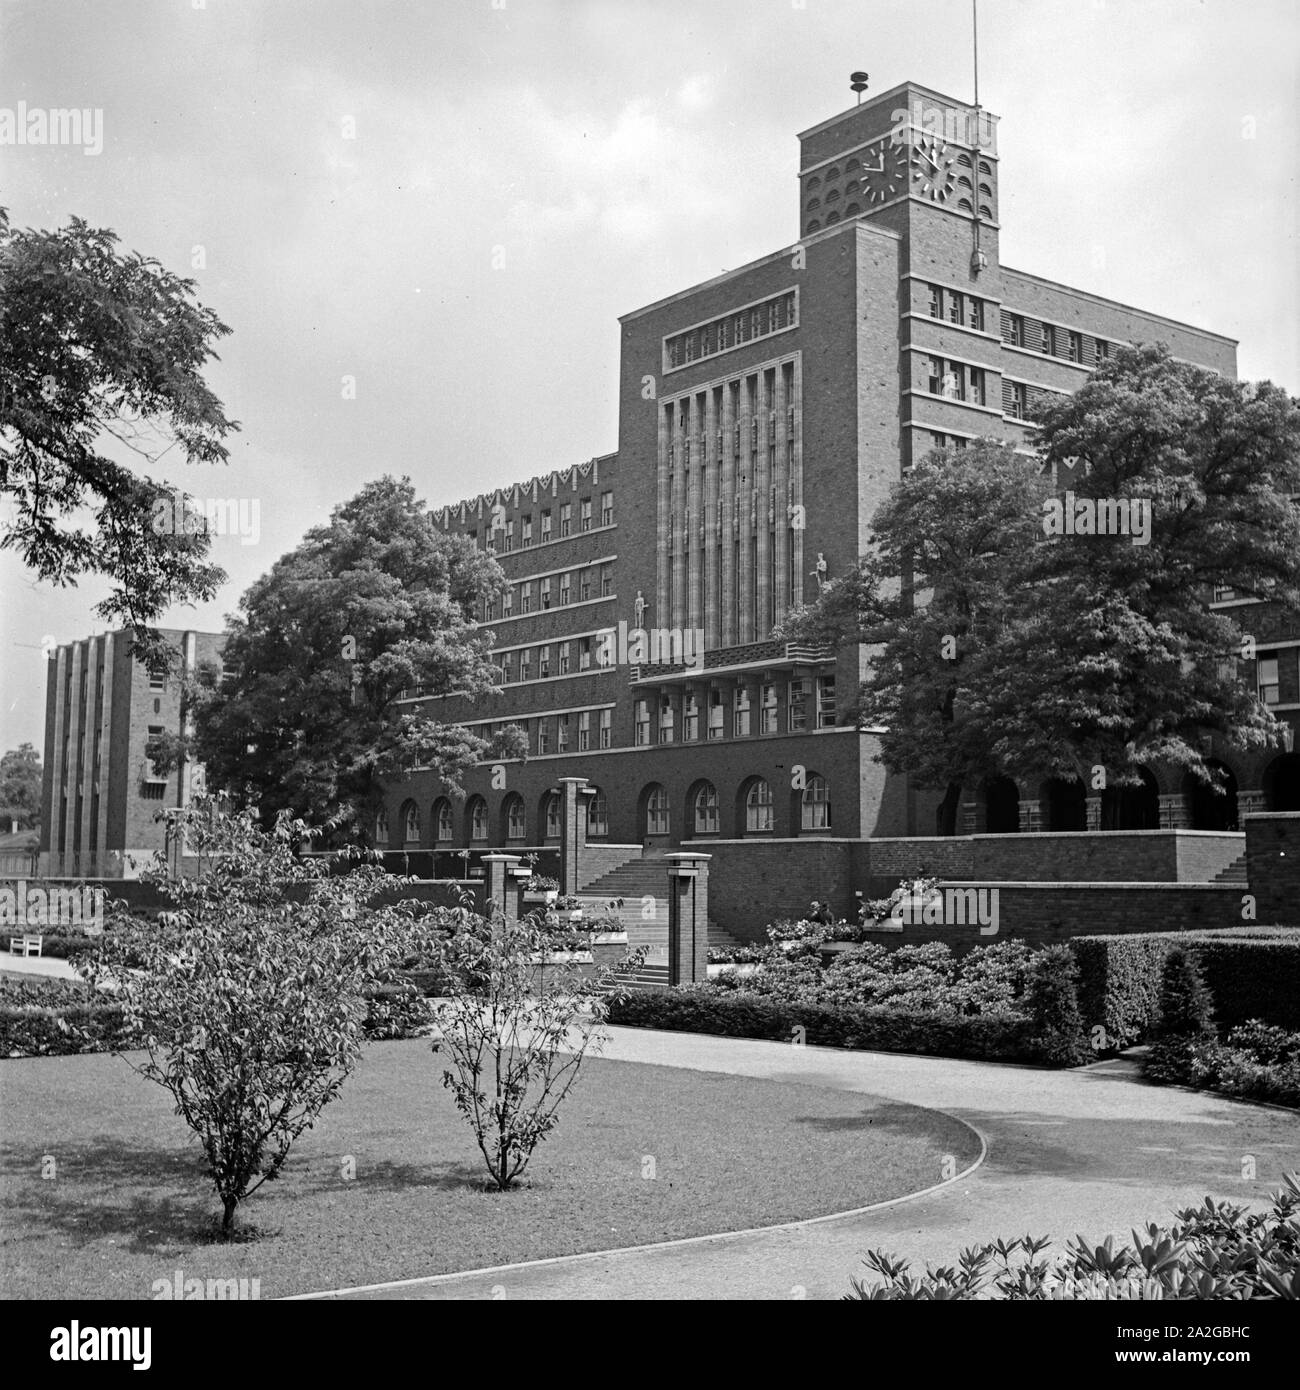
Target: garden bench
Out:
[25,945]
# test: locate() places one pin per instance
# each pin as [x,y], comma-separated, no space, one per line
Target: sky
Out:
[451,203]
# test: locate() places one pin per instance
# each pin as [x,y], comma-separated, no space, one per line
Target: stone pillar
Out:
[1092,812]
[972,818]
[573,832]
[1273,865]
[688,917]
[1173,812]
[503,888]
[1250,801]
[1031,815]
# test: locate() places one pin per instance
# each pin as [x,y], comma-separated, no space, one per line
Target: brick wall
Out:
[1273,865]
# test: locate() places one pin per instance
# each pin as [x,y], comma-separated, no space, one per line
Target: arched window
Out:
[814,225]
[814,204]
[812,183]
[986,212]
[476,813]
[815,804]
[964,161]
[852,210]
[985,190]
[832,218]
[381,828]
[552,817]
[852,187]
[658,819]
[515,820]
[964,205]
[833,172]
[410,824]
[758,807]
[597,814]
[704,809]
[444,824]
[832,195]
[986,167]
[852,164]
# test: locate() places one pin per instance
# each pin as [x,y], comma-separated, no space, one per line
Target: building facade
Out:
[104,803]
[763,417]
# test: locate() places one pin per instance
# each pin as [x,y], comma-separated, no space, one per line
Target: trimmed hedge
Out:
[1252,972]
[60,1032]
[745,1015]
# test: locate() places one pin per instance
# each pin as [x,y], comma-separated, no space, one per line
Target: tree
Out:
[248,999]
[20,786]
[103,350]
[1004,647]
[375,604]
[517,1045]
[936,588]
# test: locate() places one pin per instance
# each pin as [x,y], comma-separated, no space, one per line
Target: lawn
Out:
[129,1202]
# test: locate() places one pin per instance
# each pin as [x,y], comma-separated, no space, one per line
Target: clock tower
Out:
[903,160]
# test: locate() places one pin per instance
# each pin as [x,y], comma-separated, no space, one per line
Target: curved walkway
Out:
[1093,1151]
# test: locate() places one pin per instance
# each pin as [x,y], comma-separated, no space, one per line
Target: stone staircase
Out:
[637,892]
[1234,873]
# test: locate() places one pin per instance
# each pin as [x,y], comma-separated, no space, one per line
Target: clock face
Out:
[884,173]
[933,165]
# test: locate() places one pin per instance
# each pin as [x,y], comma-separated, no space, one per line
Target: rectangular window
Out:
[510,537]
[546,592]
[564,658]
[546,526]
[1268,678]
[1101,351]
[743,326]
[740,713]
[528,531]
[1223,593]
[157,680]
[607,509]
[716,714]
[1014,399]
[797,720]
[584,731]
[934,374]
[826,702]
[543,736]
[936,302]
[565,593]
[153,791]
[667,719]
[508,601]
[767,723]
[976,318]
[526,664]
[954,307]
[1013,329]
[585,514]
[584,653]
[566,513]
[606,581]
[977,385]
[606,731]
[1049,340]
[1076,347]
[691,717]
[562,734]
[642,726]
[584,585]
[526,596]
[544,663]
[507,667]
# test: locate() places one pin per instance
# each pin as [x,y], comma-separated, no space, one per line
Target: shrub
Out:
[59,1032]
[1211,1252]
[742,1013]
[43,991]
[1186,1020]
[1053,1004]
[1251,972]
[397,1011]
[993,979]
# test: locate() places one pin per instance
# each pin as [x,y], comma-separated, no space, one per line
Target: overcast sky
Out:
[524,171]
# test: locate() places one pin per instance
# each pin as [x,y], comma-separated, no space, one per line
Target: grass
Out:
[130,1202]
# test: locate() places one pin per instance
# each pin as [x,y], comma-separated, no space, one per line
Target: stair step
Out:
[1234,873]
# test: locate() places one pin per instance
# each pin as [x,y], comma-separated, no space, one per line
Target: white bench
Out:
[25,945]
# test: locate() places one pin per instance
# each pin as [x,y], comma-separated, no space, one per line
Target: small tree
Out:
[249,999]
[517,1042]
[1186,1019]
[1053,998]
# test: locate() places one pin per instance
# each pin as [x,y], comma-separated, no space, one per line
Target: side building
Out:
[104,804]
[763,417]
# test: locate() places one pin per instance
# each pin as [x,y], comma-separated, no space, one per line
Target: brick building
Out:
[104,804]
[763,417]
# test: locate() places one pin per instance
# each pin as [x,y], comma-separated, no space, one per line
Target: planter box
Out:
[748,968]
[560,957]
